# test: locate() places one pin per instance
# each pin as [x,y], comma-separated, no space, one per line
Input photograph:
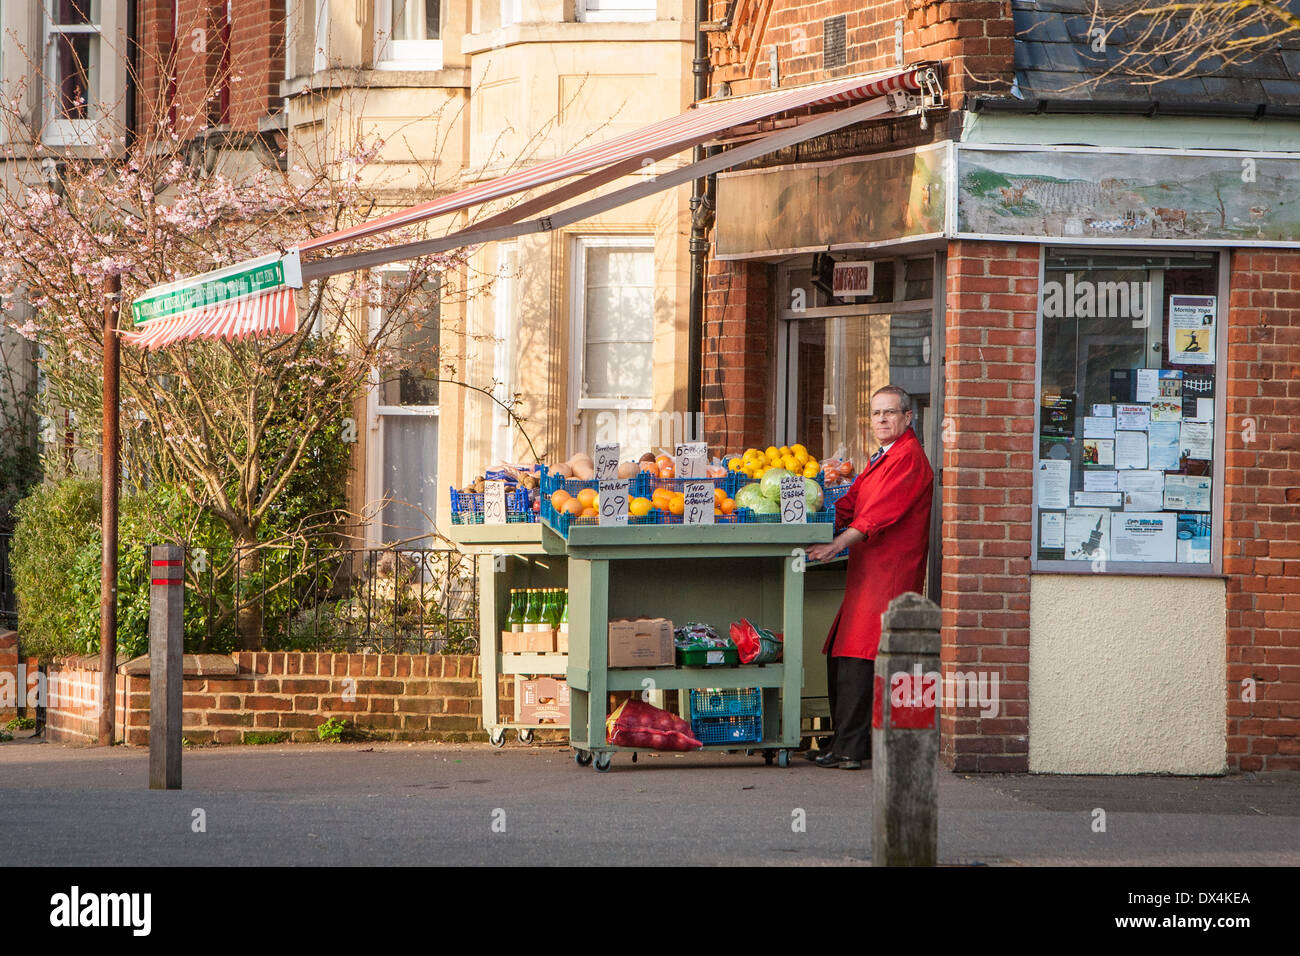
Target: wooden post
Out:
[166,649]
[905,735]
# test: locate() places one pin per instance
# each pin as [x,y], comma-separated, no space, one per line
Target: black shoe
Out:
[832,759]
[811,755]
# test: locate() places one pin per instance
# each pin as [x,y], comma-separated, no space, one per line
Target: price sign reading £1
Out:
[613,501]
[494,502]
[794,502]
[606,462]
[690,459]
[698,508]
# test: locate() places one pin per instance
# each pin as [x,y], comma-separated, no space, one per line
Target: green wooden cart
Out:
[711,573]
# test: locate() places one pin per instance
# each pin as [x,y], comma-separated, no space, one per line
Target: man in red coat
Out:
[885,519]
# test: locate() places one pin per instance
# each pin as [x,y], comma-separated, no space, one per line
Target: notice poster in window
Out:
[1198,393]
[1130,450]
[1098,453]
[1162,445]
[1053,484]
[1123,385]
[1143,490]
[1187,492]
[1191,329]
[1148,386]
[1087,534]
[1100,481]
[1144,536]
[1058,416]
[1168,405]
[1196,440]
[1132,417]
[1194,538]
[1098,426]
[1051,532]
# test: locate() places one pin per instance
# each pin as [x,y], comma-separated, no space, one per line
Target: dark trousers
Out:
[849,682]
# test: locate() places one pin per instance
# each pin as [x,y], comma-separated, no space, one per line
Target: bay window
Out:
[408,34]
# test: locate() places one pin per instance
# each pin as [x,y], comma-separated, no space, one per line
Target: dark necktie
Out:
[879,452]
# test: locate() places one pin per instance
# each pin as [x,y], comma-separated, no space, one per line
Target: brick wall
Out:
[974,39]
[191,72]
[1261,545]
[737,370]
[987,495]
[16,686]
[397,696]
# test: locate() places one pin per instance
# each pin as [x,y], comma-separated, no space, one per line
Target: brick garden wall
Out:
[1261,545]
[988,468]
[9,677]
[289,694]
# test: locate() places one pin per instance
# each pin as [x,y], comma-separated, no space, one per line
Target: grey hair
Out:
[904,400]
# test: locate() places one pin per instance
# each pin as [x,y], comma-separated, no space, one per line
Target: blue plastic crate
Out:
[727,703]
[728,730]
[467,507]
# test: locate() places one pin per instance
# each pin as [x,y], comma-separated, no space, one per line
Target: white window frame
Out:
[588,11]
[377,413]
[70,132]
[505,295]
[393,54]
[512,11]
[578,325]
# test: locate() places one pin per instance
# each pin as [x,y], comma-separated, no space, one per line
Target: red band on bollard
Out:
[168,563]
[167,581]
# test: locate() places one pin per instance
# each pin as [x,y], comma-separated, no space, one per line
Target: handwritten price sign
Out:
[606,462]
[494,502]
[699,503]
[794,504]
[613,501]
[690,459]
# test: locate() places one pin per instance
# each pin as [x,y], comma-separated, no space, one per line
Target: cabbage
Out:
[813,494]
[771,482]
[746,495]
[762,505]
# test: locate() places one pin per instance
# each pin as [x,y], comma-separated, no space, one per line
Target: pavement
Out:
[470,804]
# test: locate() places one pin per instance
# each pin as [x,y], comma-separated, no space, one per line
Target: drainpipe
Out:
[701,218]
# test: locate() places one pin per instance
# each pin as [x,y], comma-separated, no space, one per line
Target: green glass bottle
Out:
[515,619]
[533,613]
[563,626]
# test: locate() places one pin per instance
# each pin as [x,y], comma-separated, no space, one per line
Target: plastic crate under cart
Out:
[727,716]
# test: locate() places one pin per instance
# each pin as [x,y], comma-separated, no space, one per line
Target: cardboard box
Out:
[562,641]
[541,700]
[527,642]
[647,642]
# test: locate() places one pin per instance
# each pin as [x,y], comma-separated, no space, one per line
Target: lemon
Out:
[810,470]
[771,451]
[799,450]
[733,465]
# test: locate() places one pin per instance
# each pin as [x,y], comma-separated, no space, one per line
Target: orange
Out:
[639,507]
[588,513]
[667,472]
[727,505]
[572,507]
[588,497]
[677,505]
[660,497]
[559,498]
[718,495]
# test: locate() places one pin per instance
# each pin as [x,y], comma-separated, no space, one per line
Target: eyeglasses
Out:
[886,412]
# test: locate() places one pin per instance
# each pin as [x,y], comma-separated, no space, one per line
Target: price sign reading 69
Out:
[613,501]
[794,502]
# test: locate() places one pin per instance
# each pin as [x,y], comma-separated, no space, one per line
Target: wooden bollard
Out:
[166,650]
[905,736]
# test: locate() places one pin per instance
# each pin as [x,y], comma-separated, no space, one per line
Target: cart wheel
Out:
[603,761]
[768,757]
[783,759]
[525,736]
[582,757]
[497,738]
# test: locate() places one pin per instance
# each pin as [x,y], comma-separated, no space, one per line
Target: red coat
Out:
[890,503]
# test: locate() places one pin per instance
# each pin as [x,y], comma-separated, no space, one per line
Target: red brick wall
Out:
[15,686]
[398,696]
[974,39]
[736,374]
[1261,546]
[987,495]
[256,62]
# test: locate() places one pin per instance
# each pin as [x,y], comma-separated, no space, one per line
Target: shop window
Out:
[613,323]
[834,353]
[608,11]
[1129,474]
[408,34]
[406,410]
[74,44]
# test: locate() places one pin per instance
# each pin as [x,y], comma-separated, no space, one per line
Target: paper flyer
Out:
[1053,484]
[1097,499]
[1197,386]
[1168,405]
[1187,493]
[1194,538]
[1051,532]
[1095,426]
[1197,440]
[1162,445]
[1144,536]
[1102,411]
[1087,534]
[1099,452]
[1132,417]
[1143,490]
[1148,386]
[1130,450]
[1100,481]
[1191,329]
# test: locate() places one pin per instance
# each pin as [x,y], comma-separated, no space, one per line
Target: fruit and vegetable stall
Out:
[608,574]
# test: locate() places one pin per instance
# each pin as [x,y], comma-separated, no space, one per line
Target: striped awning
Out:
[252,298]
[705,121]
